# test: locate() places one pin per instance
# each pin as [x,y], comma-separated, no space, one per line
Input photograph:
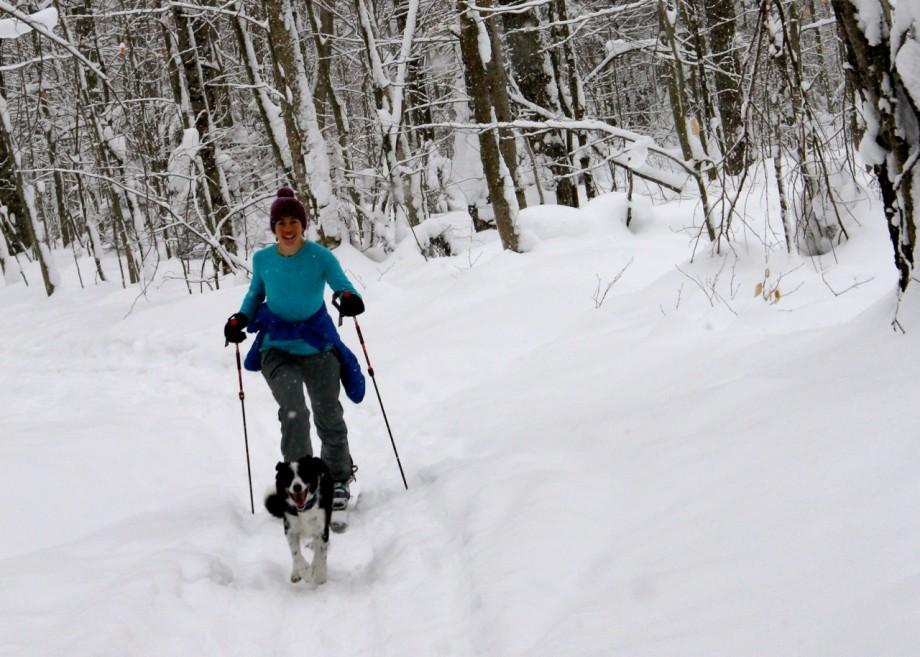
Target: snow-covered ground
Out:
[678,469]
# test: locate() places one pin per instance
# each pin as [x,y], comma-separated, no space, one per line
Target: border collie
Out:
[303,499]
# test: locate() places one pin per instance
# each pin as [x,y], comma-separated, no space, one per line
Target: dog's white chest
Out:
[308,523]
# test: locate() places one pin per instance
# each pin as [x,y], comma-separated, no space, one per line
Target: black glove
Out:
[233,330]
[348,303]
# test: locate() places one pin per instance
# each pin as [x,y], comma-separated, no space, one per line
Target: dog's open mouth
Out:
[299,499]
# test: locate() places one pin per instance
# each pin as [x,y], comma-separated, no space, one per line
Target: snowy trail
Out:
[658,476]
[144,446]
[145,493]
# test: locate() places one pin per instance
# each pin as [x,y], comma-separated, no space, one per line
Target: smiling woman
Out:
[298,345]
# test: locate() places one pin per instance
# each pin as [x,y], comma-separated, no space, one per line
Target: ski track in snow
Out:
[657,476]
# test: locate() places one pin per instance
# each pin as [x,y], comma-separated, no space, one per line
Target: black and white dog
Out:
[303,499]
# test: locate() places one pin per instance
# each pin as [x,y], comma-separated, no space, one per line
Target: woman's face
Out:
[289,232]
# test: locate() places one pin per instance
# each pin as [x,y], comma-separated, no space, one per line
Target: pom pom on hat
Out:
[287,205]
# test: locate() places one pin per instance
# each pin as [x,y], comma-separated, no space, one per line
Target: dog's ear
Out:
[279,465]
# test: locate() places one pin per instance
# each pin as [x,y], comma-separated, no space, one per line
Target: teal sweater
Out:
[293,288]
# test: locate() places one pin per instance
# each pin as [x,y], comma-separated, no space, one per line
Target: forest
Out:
[636,277]
[160,130]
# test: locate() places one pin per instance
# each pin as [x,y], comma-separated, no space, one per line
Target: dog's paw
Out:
[303,573]
[318,575]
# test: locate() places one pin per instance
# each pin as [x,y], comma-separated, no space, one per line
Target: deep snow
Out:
[683,469]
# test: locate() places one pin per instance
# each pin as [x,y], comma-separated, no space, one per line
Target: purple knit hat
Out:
[287,205]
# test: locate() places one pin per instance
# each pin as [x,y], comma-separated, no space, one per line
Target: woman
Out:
[297,344]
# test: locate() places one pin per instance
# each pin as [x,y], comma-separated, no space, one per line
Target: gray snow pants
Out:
[287,374]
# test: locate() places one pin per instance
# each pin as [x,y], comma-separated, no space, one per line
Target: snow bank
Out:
[181,165]
[605,215]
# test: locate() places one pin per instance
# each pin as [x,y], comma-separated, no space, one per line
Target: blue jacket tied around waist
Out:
[319,332]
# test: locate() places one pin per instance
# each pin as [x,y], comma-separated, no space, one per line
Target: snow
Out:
[12,28]
[483,43]
[905,46]
[908,65]
[671,15]
[636,153]
[181,165]
[871,20]
[272,111]
[670,473]
[777,35]
[381,81]
[465,179]
[906,19]
[117,144]
[455,228]
[869,149]
[405,54]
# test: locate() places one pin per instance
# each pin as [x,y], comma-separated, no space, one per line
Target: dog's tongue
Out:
[300,499]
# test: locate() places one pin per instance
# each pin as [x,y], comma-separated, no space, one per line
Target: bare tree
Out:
[532,71]
[891,110]
[194,47]
[308,147]
[486,92]
[26,194]
[720,16]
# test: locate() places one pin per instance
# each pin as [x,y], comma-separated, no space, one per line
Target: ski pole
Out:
[239,373]
[370,370]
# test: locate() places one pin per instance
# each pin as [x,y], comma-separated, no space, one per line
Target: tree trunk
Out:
[720,15]
[498,176]
[576,92]
[8,264]
[92,94]
[388,99]
[531,69]
[193,43]
[308,148]
[667,15]
[896,115]
[26,195]
[9,197]
[268,111]
[497,83]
